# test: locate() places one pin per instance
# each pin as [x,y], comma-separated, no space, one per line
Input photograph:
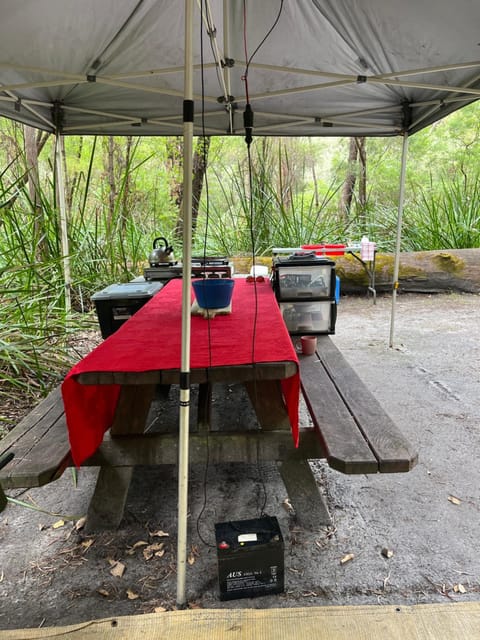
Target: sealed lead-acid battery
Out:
[250,558]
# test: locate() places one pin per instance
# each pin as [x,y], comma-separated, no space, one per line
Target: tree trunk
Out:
[362,180]
[33,181]
[112,191]
[348,188]
[356,171]
[200,163]
[127,184]
[420,272]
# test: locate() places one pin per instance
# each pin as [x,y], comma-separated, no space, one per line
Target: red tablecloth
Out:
[151,340]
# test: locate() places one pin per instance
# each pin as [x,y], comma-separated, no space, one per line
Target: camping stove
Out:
[163,272]
[209,267]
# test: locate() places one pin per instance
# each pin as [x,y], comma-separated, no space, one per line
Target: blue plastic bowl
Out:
[213,293]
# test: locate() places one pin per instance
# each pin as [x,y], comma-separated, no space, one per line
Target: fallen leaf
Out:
[346,558]
[387,553]
[131,595]
[191,558]
[159,534]
[459,588]
[140,543]
[80,523]
[159,610]
[118,569]
[103,592]
[58,524]
[87,543]
[160,553]
[454,500]
[287,505]
[152,550]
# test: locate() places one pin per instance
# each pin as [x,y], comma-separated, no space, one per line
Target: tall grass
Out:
[254,212]
[445,218]
[35,332]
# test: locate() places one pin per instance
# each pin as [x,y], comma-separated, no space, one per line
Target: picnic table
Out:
[113,387]
[101,417]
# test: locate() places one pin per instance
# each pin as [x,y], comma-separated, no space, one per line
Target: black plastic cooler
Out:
[118,302]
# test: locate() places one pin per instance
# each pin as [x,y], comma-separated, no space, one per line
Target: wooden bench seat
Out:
[39,444]
[356,433]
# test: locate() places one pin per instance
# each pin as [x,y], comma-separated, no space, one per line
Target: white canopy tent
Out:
[327,67]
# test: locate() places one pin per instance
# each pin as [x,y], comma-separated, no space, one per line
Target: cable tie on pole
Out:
[91,78]
[361,79]
[18,105]
[188,110]
[248,123]
[184,379]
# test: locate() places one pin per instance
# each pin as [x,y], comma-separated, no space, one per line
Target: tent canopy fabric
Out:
[328,67]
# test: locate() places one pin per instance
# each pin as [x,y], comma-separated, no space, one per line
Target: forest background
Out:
[122,192]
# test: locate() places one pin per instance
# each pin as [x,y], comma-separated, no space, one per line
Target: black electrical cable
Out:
[207,212]
[248,125]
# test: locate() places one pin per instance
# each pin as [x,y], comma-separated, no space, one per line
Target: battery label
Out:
[240,580]
[247,537]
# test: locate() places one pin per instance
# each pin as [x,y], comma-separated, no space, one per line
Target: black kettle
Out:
[160,255]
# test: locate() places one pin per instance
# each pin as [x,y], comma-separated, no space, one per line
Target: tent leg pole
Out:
[59,146]
[184,411]
[396,265]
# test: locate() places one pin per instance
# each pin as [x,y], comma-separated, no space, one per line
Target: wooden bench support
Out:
[108,502]
[356,433]
[311,512]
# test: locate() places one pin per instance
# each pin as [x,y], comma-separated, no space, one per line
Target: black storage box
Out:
[250,558]
[305,287]
[118,302]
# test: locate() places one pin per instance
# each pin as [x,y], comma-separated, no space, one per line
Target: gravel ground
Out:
[52,573]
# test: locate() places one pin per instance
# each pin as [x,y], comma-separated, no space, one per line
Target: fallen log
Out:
[448,270]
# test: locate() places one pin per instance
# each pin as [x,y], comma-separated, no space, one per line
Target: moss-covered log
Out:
[420,271]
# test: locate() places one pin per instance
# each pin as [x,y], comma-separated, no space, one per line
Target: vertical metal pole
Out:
[396,265]
[184,410]
[59,146]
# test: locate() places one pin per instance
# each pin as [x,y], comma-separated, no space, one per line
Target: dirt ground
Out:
[53,573]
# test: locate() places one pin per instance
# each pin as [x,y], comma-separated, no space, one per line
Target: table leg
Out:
[267,400]
[132,409]
[108,501]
